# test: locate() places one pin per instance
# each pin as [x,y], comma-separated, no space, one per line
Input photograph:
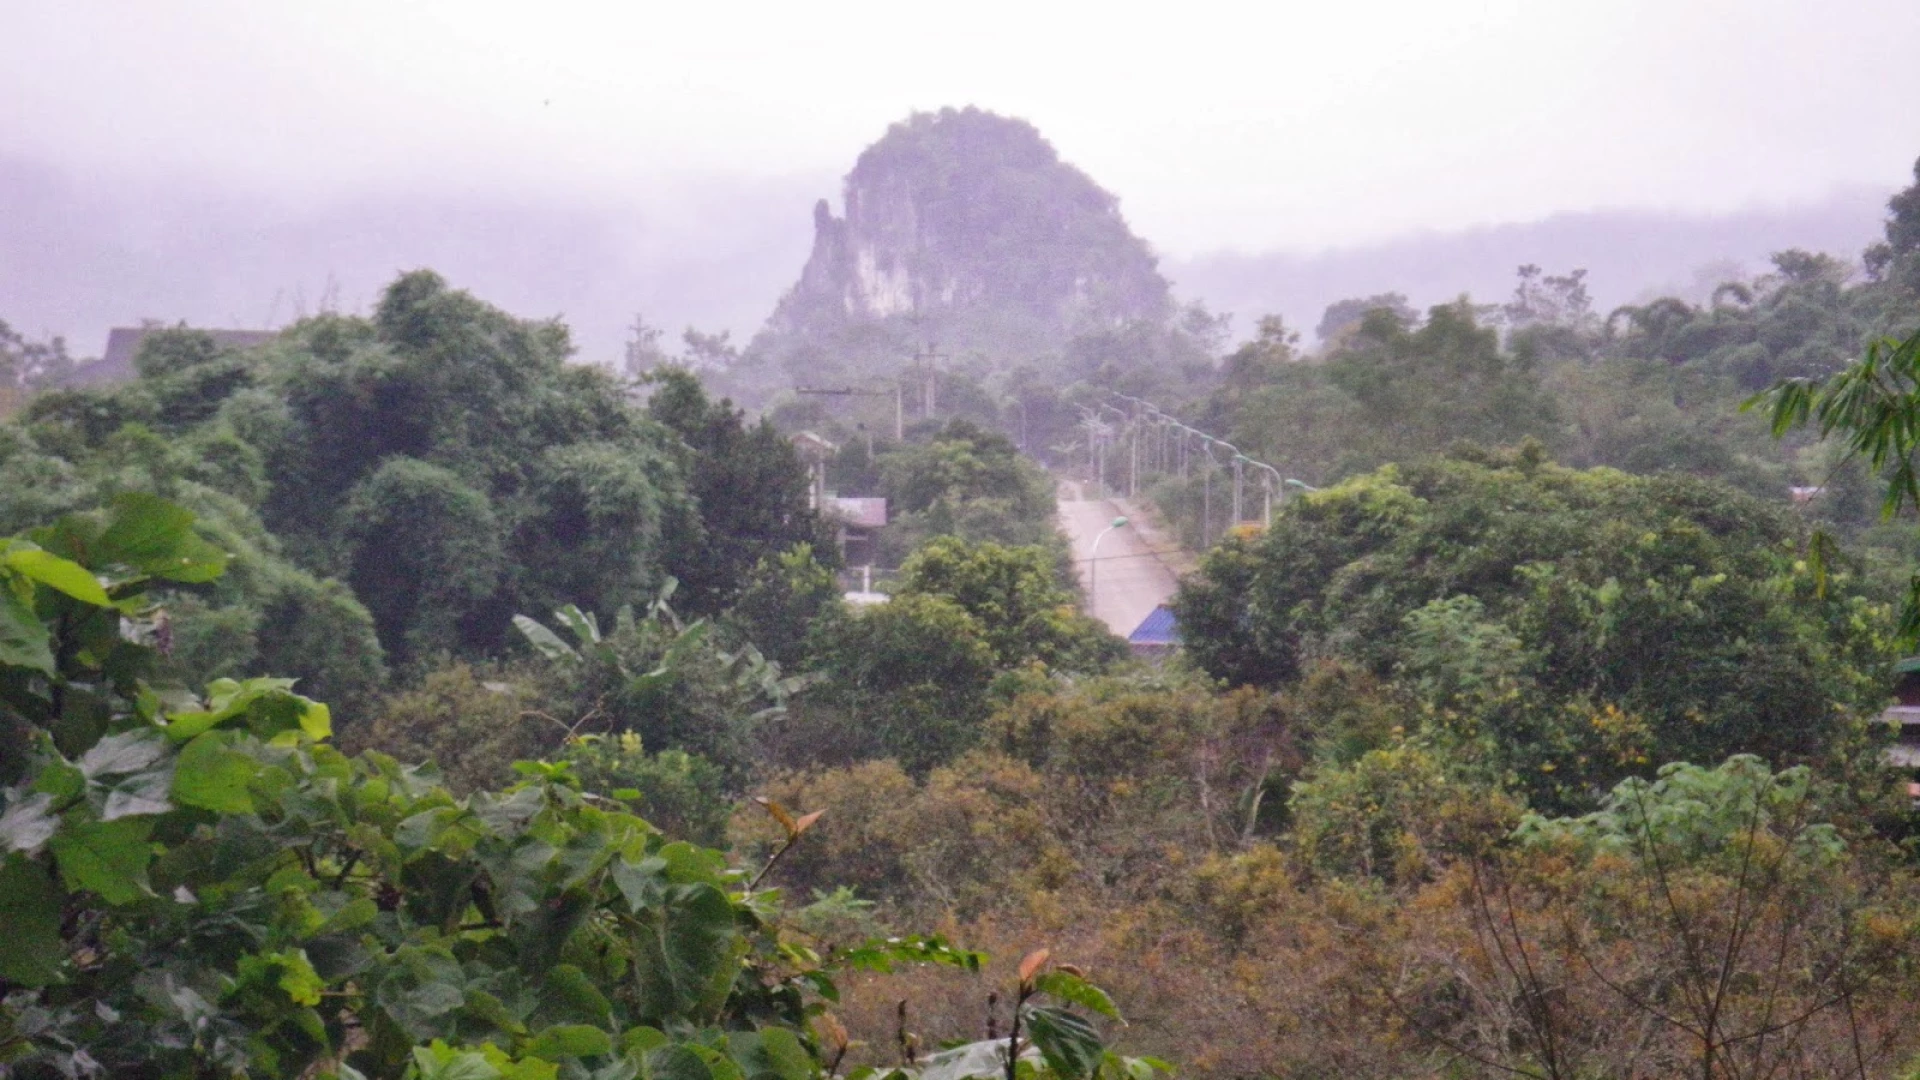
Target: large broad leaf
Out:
[269,707]
[30,902]
[144,792]
[643,883]
[156,537]
[127,752]
[570,1040]
[1075,990]
[770,1054]
[1070,1045]
[210,775]
[545,641]
[463,1065]
[55,572]
[586,628]
[542,935]
[570,993]
[27,824]
[105,857]
[24,642]
[684,643]
[676,1062]
[685,955]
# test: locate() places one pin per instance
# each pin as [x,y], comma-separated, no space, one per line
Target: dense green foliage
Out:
[1474,764]
[1567,627]
[1649,388]
[1396,388]
[1015,595]
[28,363]
[1873,408]
[963,481]
[749,486]
[204,886]
[914,679]
[441,460]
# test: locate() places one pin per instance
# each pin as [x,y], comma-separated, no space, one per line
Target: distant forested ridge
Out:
[1631,256]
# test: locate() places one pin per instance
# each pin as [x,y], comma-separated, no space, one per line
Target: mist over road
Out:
[1130,581]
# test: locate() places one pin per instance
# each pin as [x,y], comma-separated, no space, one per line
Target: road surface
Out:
[1128,581]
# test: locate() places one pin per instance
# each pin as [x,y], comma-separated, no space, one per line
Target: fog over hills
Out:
[1629,256]
[81,254]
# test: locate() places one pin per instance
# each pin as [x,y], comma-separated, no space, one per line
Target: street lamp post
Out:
[1093,562]
[1268,481]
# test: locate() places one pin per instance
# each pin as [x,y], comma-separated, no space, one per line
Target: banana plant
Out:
[688,645]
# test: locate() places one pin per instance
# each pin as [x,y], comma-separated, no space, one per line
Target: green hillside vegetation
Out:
[206,886]
[1650,389]
[402,701]
[441,460]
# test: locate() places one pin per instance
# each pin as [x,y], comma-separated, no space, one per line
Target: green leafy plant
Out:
[1873,406]
[678,685]
[198,885]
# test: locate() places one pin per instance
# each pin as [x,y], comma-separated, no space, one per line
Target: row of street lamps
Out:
[1176,438]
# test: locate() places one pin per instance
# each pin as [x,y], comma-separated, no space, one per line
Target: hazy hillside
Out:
[78,255]
[81,254]
[1628,254]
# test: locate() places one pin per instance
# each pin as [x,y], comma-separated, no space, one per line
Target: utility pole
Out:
[1093,564]
[1239,486]
[1206,506]
[1133,468]
[922,365]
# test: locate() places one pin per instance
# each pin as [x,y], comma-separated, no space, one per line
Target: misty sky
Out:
[1246,125]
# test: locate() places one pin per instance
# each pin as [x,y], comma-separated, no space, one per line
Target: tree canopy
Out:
[439,464]
[1575,625]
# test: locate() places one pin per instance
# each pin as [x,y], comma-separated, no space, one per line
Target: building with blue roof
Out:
[1157,634]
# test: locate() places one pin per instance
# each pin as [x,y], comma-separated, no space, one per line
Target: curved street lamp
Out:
[1270,478]
[1093,562]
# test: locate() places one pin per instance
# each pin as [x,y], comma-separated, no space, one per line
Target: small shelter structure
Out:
[1158,635]
[860,521]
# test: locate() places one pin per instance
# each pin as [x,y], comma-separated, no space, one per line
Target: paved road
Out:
[1128,582]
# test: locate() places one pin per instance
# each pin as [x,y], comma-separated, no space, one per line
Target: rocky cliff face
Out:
[962,229]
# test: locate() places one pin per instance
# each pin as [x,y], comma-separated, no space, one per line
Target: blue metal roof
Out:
[1157,628]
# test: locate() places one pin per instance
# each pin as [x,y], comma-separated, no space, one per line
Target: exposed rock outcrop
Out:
[962,229]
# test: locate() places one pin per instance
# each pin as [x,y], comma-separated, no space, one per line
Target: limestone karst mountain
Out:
[965,231]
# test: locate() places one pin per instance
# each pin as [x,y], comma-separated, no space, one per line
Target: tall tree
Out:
[747,482]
